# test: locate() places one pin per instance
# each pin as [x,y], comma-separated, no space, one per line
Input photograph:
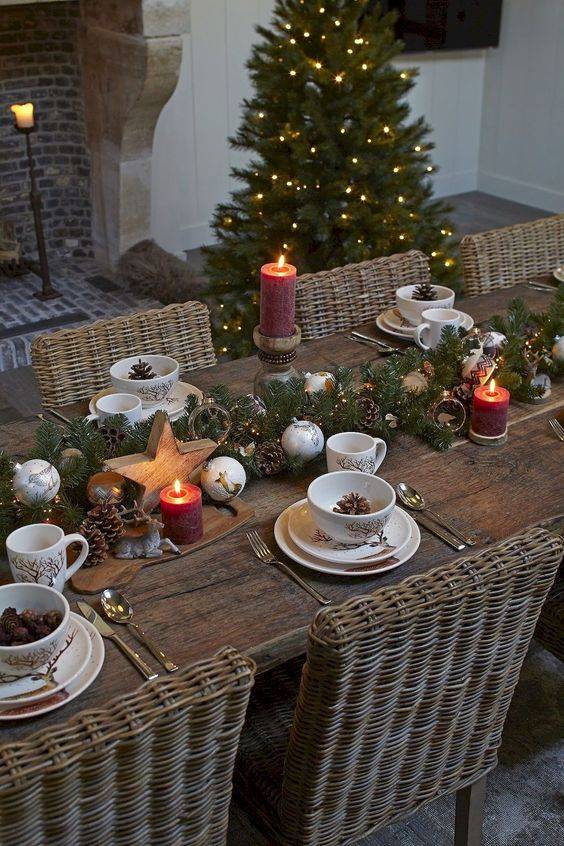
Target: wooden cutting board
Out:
[219,520]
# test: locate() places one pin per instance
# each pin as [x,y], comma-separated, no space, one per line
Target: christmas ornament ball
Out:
[477,369]
[70,454]
[223,478]
[492,343]
[558,350]
[302,439]
[320,381]
[36,481]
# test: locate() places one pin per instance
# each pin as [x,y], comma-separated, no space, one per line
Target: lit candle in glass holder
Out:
[23,115]
[489,411]
[182,512]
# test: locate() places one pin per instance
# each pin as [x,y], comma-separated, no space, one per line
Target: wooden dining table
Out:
[219,595]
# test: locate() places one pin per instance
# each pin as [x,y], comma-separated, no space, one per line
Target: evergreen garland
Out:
[530,338]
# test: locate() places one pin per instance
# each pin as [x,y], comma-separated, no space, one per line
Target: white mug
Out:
[355,451]
[428,334]
[127,405]
[38,553]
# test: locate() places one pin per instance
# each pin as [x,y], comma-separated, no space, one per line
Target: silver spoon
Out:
[118,609]
[413,499]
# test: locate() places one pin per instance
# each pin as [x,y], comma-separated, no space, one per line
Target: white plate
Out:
[73,689]
[60,671]
[559,273]
[293,551]
[311,540]
[173,404]
[407,334]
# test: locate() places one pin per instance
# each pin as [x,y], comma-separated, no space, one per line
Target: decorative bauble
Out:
[370,412]
[558,350]
[320,381]
[542,380]
[492,343]
[97,546]
[36,481]
[391,420]
[223,478]
[415,382]
[477,368]
[69,456]
[302,439]
[448,412]
[209,420]
[104,486]
[269,458]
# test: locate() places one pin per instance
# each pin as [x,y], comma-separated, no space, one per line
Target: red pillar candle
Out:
[181,511]
[489,410]
[277,299]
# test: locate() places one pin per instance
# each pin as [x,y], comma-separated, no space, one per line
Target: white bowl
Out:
[150,391]
[411,309]
[18,661]
[325,491]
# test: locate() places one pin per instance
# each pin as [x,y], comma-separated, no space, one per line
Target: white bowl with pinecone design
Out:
[350,506]
[413,300]
[149,377]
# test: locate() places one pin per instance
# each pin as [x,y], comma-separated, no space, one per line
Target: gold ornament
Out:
[105,486]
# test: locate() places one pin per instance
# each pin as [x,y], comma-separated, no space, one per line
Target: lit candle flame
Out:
[23,114]
[177,487]
[281,262]
[491,389]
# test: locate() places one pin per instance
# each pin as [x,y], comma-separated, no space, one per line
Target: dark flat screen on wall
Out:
[447,24]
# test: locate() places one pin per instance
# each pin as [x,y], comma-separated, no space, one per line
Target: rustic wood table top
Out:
[223,595]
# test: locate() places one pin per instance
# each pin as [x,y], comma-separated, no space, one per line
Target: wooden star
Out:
[164,460]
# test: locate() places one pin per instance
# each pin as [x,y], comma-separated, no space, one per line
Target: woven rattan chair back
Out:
[338,299]
[73,364]
[504,257]
[154,767]
[404,693]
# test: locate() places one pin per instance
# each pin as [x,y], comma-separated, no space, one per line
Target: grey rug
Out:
[525,801]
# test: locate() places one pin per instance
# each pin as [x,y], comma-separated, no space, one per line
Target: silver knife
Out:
[107,631]
[440,533]
[376,342]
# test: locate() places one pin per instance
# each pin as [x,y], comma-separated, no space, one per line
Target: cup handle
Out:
[76,538]
[418,333]
[380,454]
[91,418]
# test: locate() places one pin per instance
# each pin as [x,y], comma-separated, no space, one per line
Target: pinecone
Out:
[370,412]
[424,292]
[269,458]
[140,371]
[96,542]
[352,503]
[113,438]
[105,517]
[10,620]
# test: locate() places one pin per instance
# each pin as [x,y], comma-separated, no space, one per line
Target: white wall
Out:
[522,143]
[192,158]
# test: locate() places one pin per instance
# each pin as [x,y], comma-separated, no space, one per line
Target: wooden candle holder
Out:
[487,440]
[276,356]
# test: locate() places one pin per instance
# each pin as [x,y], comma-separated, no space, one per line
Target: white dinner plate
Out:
[310,539]
[72,690]
[559,273]
[59,672]
[173,404]
[408,334]
[293,551]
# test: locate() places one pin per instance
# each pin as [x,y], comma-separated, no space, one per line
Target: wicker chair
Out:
[338,299]
[402,699]
[73,364]
[154,767]
[504,257]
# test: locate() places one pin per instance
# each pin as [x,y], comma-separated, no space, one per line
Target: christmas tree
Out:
[336,171]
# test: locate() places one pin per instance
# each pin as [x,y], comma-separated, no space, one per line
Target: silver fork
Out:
[556,427]
[263,553]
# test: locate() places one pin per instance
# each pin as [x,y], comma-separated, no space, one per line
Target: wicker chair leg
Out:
[470,813]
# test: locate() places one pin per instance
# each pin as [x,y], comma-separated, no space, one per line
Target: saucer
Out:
[59,672]
[385,323]
[73,689]
[394,320]
[313,562]
[306,535]
[558,273]
[173,404]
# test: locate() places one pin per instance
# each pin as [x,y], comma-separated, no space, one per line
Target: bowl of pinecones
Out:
[350,506]
[33,623]
[413,300]
[149,377]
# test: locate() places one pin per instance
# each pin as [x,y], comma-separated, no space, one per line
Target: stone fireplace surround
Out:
[130,53]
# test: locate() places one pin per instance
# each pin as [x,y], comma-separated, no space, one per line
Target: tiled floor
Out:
[87,296]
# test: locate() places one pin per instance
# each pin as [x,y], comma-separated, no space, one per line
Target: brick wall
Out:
[39,62]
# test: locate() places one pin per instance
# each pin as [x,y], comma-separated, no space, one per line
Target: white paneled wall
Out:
[522,143]
[192,158]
